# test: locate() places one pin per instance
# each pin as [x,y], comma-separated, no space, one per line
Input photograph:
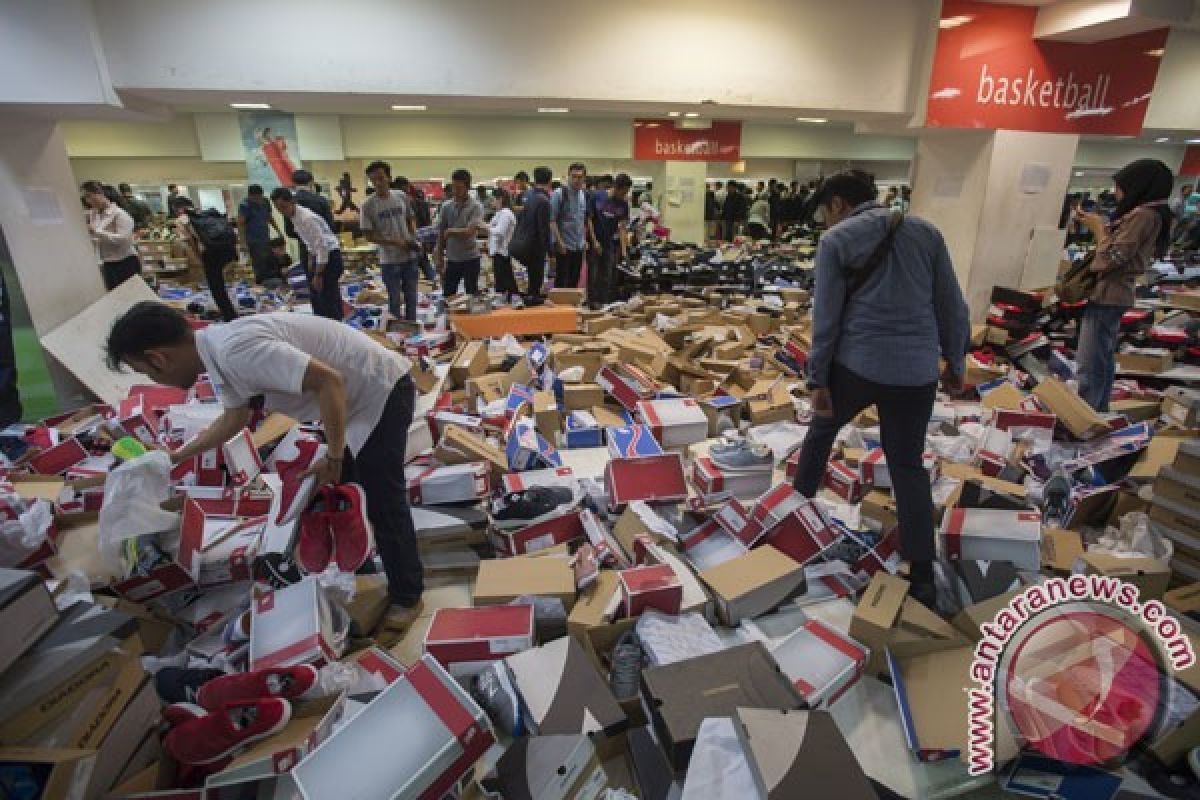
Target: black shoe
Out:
[519,509]
[179,685]
[924,593]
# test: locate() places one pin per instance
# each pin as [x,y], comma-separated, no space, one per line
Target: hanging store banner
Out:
[269,141]
[989,72]
[656,140]
[1191,161]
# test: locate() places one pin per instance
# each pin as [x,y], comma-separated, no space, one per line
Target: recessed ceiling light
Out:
[692,114]
[1078,174]
[652,125]
[947,23]
[1157,53]
[1162,140]
[553,110]
[249,105]
[674,113]
[1193,141]
[408,108]
[817,120]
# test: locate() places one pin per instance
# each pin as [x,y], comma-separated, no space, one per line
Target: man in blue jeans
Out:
[388,220]
[459,220]
[876,341]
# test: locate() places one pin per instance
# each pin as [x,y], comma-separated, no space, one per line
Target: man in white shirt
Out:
[324,253]
[310,369]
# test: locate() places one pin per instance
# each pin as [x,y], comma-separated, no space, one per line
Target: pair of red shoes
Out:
[233,711]
[335,528]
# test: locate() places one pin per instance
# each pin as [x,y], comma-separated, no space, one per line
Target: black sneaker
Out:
[180,685]
[519,509]
[493,689]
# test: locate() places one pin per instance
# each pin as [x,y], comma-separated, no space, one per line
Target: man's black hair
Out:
[730,185]
[124,188]
[542,175]
[92,187]
[283,193]
[578,165]
[854,186]
[302,177]
[147,325]
[521,176]
[254,189]
[401,183]
[622,181]
[461,176]
[383,165]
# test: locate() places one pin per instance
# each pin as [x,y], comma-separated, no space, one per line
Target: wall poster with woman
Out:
[269,141]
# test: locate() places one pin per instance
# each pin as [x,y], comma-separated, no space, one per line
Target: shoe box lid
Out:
[656,479]
[242,458]
[683,694]
[486,633]
[798,754]
[458,483]
[775,504]
[563,692]
[714,482]
[627,384]
[502,580]
[675,421]
[293,625]
[804,534]
[821,662]
[986,534]
[631,441]
[557,530]
[736,518]
[652,586]
[556,476]
[445,733]
[753,583]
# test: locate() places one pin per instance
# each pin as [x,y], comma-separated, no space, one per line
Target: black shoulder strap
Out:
[859,277]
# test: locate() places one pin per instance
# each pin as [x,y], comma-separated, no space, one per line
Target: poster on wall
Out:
[269,141]
[656,140]
[989,72]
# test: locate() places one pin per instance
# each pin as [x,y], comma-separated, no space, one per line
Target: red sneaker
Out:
[296,488]
[353,538]
[285,682]
[210,738]
[179,713]
[314,545]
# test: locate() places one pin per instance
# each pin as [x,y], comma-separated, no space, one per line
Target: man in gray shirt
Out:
[388,220]
[877,338]
[457,253]
[568,223]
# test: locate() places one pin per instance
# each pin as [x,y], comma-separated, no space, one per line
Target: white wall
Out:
[492,137]
[1096,154]
[1173,105]
[789,54]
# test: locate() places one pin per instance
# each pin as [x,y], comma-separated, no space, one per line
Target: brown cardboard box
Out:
[1161,451]
[1151,360]
[1005,396]
[1060,548]
[1150,575]
[776,407]
[753,583]
[1073,414]
[460,446]
[370,604]
[590,360]
[591,605]
[471,361]
[881,507]
[1182,407]
[1178,487]
[486,388]
[58,774]
[601,324]
[547,416]
[1185,599]
[566,297]
[607,417]
[580,397]
[501,581]
[969,620]
[878,611]
[1137,410]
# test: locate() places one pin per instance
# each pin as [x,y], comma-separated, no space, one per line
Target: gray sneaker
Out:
[625,677]
[742,456]
[493,689]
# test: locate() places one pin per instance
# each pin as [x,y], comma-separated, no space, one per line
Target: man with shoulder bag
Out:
[887,308]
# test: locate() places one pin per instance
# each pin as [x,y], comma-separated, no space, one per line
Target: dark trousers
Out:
[535,268]
[379,469]
[262,259]
[117,272]
[904,413]
[328,302]
[215,260]
[570,265]
[502,274]
[602,275]
[401,282]
[465,272]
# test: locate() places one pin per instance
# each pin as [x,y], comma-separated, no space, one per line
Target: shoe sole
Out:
[258,737]
[362,506]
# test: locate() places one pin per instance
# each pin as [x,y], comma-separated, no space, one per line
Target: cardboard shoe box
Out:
[753,584]
[655,586]
[47,774]
[26,612]
[821,662]
[460,483]
[676,422]
[562,691]
[655,479]
[1182,406]
[500,581]
[713,482]
[549,767]
[993,535]
[796,754]
[683,694]
[1151,576]
[1073,413]
[293,625]
[465,640]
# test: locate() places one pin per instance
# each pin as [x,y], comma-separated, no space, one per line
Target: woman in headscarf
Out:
[1138,233]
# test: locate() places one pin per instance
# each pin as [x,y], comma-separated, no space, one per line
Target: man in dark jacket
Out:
[305,195]
[531,240]
[734,210]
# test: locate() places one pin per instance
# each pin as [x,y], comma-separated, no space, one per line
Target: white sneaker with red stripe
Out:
[297,489]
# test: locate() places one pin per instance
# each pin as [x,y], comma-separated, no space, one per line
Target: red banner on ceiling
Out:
[1191,161]
[989,72]
[655,140]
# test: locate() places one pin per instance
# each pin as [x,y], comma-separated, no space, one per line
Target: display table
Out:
[519,322]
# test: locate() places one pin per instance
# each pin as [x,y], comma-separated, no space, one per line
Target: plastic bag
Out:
[718,769]
[20,537]
[133,495]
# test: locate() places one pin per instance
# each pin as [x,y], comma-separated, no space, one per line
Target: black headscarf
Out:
[1147,180]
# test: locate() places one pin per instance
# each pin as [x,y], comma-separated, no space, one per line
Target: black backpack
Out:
[212,228]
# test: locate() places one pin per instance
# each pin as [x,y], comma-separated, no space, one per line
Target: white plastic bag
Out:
[20,537]
[133,495]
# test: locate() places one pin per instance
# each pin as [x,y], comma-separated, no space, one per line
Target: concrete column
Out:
[996,196]
[42,221]
[681,199]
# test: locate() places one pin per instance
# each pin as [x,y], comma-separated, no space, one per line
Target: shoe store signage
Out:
[990,72]
[659,140]
[1191,161]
